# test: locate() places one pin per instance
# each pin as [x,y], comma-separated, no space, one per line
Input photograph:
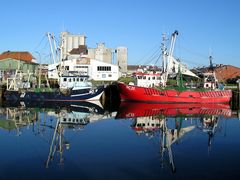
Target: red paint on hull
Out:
[133,110]
[141,94]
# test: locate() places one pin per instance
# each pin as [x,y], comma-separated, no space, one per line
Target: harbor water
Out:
[88,141]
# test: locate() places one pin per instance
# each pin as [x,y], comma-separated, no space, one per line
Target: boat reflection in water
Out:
[51,120]
[75,118]
[73,135]
[166,122]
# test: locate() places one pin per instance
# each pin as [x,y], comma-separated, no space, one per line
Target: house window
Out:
[104,68]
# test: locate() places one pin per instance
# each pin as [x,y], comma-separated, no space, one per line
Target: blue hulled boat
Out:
[71,88]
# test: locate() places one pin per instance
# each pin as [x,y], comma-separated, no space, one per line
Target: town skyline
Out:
[205,28]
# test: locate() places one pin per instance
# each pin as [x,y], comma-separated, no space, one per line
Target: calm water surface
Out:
[84,141]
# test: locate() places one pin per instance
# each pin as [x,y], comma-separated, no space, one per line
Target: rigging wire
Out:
[157,59]
[180,47]
[43,50]
[44,47]
[156,54]
[192,62]
[198,59]
[194,53]
[157,45]
[38,45]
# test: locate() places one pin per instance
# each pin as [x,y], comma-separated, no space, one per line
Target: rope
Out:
[194,53]
[148,53]
[154,56]
[40,42]
[158,58]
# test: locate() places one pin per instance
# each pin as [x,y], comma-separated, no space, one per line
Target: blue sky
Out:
[204,26]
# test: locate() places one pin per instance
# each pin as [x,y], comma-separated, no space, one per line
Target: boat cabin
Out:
[75,118]
[74,82]
[209,81]
[146,124]
[149,79]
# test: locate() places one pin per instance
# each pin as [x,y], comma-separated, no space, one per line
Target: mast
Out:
[164,65]
[166,144]
[51,48]
[50,155]
[211,63]
[173,40]
[167,57]
[55,48]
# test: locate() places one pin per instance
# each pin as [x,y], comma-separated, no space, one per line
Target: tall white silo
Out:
[122,58]
[75,42]
[69,43]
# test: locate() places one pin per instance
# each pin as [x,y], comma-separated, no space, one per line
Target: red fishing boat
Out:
[133,110]
[152,88]
[144,94]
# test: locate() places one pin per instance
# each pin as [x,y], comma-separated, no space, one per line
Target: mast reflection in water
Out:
[139,141]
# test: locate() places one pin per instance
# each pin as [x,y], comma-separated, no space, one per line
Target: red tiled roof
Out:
[25,56]
[227,72]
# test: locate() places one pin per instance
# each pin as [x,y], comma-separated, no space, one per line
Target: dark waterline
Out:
[98,146]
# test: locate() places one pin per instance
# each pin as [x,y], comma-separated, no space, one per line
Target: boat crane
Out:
[169,137]
[51,38]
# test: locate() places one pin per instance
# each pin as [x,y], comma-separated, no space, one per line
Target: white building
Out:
[74,50]
[104,71]
[95,69]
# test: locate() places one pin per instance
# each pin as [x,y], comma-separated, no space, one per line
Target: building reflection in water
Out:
[164,121]
[13,118]
[51,117]
[152,120]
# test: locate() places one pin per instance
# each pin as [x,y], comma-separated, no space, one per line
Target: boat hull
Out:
[73,96]
[142,94]
[134,110]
